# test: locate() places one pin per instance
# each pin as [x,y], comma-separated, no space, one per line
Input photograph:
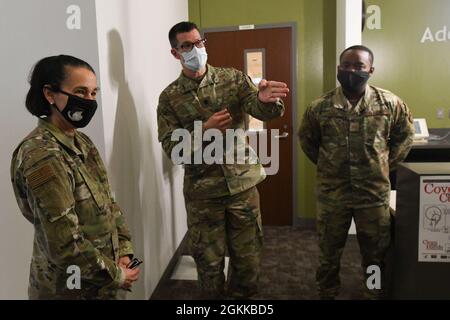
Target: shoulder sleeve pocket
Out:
[50,185]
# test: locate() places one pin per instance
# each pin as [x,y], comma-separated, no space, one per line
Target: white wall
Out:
[348,33]
[135,66]
[348,24]
[29,31]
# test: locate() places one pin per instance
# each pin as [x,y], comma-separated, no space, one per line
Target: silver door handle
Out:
[283,136]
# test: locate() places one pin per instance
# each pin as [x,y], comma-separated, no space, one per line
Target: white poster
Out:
[434,219]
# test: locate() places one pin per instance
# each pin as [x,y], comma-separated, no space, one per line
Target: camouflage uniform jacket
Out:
[356,147]
[61,187]
[185,101]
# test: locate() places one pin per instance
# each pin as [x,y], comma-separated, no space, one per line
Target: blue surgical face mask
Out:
[195,59]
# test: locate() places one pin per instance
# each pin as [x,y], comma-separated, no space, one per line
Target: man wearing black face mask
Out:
[355,135]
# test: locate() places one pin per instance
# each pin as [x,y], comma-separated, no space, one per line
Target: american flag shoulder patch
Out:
[40,176]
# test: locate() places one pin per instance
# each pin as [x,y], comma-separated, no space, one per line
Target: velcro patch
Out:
[354,127]
[40,176]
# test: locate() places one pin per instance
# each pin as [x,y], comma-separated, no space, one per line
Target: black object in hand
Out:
[134,263]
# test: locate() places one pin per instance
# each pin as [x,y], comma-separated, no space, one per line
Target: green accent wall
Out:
[316,56]
[417,72]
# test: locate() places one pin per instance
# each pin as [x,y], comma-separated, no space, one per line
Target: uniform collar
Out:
[188,84]
[67,141]
[340,101]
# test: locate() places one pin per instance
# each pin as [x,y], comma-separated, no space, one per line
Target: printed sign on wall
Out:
[434,220]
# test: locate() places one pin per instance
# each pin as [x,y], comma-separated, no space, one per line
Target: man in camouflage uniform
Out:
[222,201]
[355,135]
[62,188]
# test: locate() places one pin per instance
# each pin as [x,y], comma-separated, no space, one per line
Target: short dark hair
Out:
[49,71]
[180,27]
[358,47]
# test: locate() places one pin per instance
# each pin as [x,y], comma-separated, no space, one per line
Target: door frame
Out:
[296,220]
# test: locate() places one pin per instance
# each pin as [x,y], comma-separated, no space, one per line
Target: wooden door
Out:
[231,49]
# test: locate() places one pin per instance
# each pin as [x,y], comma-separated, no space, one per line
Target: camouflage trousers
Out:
[215,225]
[373,234]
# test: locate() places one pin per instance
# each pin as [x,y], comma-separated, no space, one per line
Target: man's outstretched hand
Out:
[271,91]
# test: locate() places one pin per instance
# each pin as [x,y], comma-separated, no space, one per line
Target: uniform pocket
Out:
[333,127]
[82,193]
[376,129]
[194,243]
[334,134]
[50,185]
[259,231]
[95,190]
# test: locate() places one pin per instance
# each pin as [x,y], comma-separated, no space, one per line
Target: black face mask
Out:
[353,81]
[78,111]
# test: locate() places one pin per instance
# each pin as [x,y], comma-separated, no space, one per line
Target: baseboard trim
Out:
[302,223]
[305,223]
[172,264]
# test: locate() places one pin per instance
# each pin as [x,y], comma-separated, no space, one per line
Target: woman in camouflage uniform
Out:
[82,243]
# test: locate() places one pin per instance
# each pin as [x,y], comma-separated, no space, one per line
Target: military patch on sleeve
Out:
[40,176]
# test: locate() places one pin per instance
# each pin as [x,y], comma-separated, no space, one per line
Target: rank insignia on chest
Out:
[354,126]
